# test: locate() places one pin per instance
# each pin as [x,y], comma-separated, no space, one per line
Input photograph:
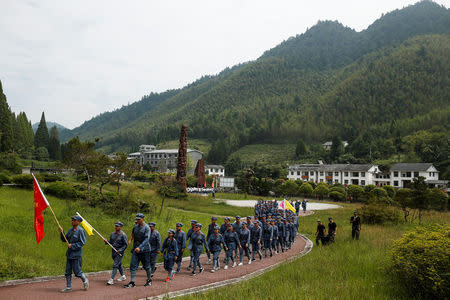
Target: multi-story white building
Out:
[335,173]
[217,170]
[164,160]
[364,174]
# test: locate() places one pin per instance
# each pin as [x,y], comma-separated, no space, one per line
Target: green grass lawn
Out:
[202,145]
[265,153]
[345,270]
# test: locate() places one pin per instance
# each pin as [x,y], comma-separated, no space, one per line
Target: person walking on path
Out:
[232,242]
[304,206]
[267,238]
[256,236]
[244,240]
[76,238]
[169,250]
[198,240]
[210,232]
[180,237]
[320,232]
[118,239]
[188,237]
[155,245]
[356,225]
[141,251]
[215,242]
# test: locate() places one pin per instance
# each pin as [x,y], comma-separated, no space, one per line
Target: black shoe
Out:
[148,282]
[129,285]
[201,270]
[193,273]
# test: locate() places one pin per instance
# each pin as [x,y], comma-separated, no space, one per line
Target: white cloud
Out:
[76,59]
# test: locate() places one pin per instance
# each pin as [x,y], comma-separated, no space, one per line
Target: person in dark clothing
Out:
[210,232]
[188,237]
[169,250]
[332,229]
[180,237]
[198,240]
[244,239]
[214,243]
[232,241]
[118,240]
[320,232]
[356,225]
[255,239]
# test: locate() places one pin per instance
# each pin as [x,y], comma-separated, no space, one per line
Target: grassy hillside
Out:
[265,153]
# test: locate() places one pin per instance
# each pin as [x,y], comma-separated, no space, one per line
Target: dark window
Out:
[355,174]
[408,174]
[363,182]
[345,173]
[363,174]
[298,173]
[336,173]
[395,174]
[416,174]
[395,183]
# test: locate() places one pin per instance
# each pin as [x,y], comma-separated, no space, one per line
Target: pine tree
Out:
[54,147]
[41,138]
[300,149]
[6,124]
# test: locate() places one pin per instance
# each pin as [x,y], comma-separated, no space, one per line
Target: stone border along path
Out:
[183,284]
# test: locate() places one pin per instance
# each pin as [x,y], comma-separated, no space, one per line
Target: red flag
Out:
[205,183]
[40,203]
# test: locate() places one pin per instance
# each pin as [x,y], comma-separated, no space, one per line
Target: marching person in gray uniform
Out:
[169,250]
[232,242]
[188,237]
[180,237]
[287,237]
[141,251]
[267,238]
[249,223]
[118,240]
[244,240]
[255,239]
[198,240]
[76,238]
[210,231]
[224,226]
[237,228]
[214,243]
[275,236]
[155,245]
[281,235]
[297,225]
[293,233]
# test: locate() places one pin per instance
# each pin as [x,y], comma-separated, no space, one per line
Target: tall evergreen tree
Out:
[54,147]
[6,123]
[300,149]
[41,138]
[336,148]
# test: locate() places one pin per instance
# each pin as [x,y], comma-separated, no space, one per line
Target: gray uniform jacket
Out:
[155,241]
[119,241]
[77,239]
[141,237]
[180,236]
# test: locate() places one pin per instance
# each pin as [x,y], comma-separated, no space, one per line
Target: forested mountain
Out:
[50,125]
[383,83]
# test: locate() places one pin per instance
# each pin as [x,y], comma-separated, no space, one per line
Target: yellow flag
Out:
[287,205]
[87,227]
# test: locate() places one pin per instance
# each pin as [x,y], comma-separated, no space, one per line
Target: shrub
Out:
[10,162]
[390,190]
[47,177]
[61,189]
[376,213]
[338,188]
[368,188]
[306,189]
[379,193]
[421,261]
[321,190]
[336,196]
[356,192]
[23,179]
[5,178]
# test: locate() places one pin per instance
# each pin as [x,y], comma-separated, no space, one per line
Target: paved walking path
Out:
[251,203]
[182,284]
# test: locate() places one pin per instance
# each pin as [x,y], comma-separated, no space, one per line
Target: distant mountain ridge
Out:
[60,127]
[330,80]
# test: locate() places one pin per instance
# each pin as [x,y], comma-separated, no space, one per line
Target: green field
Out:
[265,153]
[344,270]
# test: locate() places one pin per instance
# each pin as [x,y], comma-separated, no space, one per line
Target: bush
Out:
[356,192]
[336,196]
[338,188]
[379,193]
[41,154]
[5,178]
[390,190]
[376,213]
[47,177]
[61,189]
[10,162]
[306,189]
[421,261]
[23,179]
[368,188]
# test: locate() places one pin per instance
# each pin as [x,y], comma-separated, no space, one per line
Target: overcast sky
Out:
[76,59]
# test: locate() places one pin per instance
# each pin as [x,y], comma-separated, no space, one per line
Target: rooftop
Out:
[411,167]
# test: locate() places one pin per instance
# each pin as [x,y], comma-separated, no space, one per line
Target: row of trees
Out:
[18,138]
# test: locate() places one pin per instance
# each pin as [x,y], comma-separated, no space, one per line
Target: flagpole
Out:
[100,235]
[53,213]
